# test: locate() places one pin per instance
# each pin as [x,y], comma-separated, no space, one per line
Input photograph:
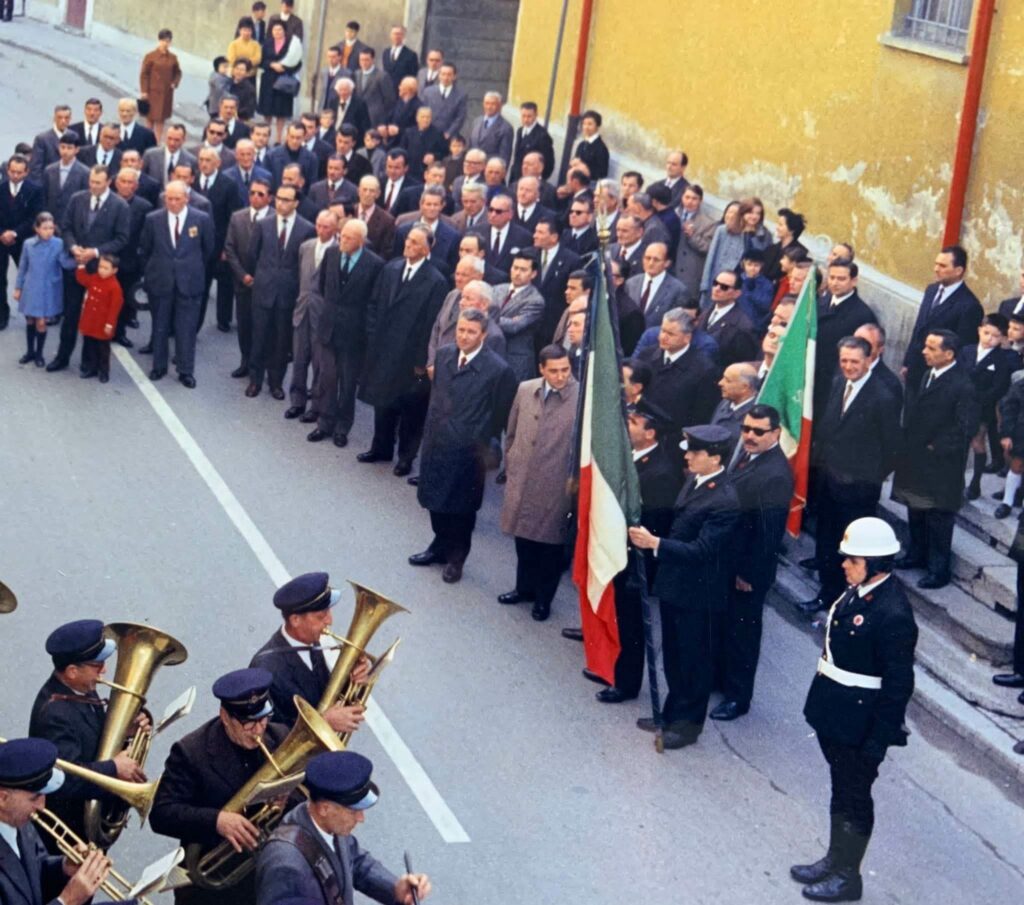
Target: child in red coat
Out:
[100,308]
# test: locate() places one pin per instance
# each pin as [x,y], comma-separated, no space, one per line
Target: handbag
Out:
[143,106]
[287,84]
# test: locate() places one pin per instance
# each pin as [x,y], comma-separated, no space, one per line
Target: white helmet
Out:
[869,537]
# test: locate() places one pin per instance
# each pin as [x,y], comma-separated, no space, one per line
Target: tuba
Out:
[370,612]
[222,867]
[141,650]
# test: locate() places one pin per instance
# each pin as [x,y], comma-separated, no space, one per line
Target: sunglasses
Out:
[725,287]
[578,213]
[756,431]
[500,210]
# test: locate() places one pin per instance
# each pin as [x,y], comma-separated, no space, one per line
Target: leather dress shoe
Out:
[104,377]
[843,885]
[413,480]
[510,597]
[402,469]
[224,328]
[187,381]
[729,710]
[811,563]
[309,417]
[679,738]
[58,364]
[572,634]
[124,341]
[157,374]
[316,435]
[147,349]
[426,558]
[1008,680]
[932,582]
[371,456]
[293,412]
[26,358]
[241,371]
[540,612]
[253,390]
[813,873]
[612,695]
[591,676]
[1002,511]
[277,393]
[908,562]
[340,439]
[810,607]
[452,573]
[973,491]
[646,723]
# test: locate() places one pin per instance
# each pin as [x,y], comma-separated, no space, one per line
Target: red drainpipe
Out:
[581,57]
[968,122]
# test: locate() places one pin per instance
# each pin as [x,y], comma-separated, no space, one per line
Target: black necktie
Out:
[320,670]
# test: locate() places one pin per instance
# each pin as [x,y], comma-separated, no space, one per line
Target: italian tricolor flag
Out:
[789,388]
[609,490]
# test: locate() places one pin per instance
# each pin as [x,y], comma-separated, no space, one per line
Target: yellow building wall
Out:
[800,104]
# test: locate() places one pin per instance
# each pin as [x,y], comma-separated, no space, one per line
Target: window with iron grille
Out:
[941,22]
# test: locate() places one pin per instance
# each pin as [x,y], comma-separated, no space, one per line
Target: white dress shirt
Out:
[330,656]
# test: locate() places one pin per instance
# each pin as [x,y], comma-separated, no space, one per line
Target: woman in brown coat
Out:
[159,76]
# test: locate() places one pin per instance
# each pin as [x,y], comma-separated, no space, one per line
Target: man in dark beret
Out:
[300,664]
[207,767]
[27,775]
[313,853]
[68,712]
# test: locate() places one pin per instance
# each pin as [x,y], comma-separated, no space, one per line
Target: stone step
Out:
[976,628]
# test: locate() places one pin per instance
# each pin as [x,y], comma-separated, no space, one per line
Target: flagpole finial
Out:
[604,234]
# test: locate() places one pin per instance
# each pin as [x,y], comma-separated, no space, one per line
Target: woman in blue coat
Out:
[39,289]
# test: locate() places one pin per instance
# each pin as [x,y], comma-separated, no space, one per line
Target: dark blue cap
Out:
[245,693]
[307,593]
[28,764]
[712,438]
[342,777]
[661,419]
[81,641]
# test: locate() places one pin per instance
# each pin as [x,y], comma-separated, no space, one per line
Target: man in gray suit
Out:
[374,87]
[309,306]
[46,147]
[655,291]
[470,292]
[694,240]
[739,386]
[520,309]
[447,101]
[64,177]
[491,132]
[313,854]
[236,253]
[159,163]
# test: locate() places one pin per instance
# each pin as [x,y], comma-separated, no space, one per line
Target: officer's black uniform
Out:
[871,636]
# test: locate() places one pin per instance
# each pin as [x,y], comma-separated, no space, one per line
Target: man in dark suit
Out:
[105,152]
[556,263]
[470,398]
[274,264]
[350,109]
[380,225]
[356,165]
[374,87]
[655,290]
[725,321]
[96,223]
[874,334]
[45,147]
[854,450]
[474,244]
[329,75]
[225,197]
[531,136]
[675,176]
[591,148]
[292,175]
[20,201]
[685,380]
[315,145]
[528,208]
[335,189]
[940,418]
[89,127]
[763,480]
[405,304]
[396,168]
[502,236]
[64,177]
[234,129]
[351,46]
[245,169]
[293,25]
[236,256]
[348,275]
[628,247]
[148,187]
[177,246]
[695,568]
[300,658]
[948,304]
[399,61]
[444,250]
[447,101]
[533,165]
[293,150]
[739,386]
[133,135]
[490,132]
[129,270]
[425,143]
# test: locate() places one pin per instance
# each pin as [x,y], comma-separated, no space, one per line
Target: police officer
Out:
[207,767]
[27,776]
[313,853]
[692,585]
[70,713]
[857,701]
[294,655]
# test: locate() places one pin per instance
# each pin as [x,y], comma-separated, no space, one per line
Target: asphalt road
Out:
[155,503]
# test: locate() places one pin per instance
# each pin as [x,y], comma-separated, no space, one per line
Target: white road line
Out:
[420,784]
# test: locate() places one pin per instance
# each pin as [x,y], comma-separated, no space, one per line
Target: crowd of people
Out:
[395,251]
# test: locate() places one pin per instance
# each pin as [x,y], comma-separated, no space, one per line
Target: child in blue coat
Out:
[39,289]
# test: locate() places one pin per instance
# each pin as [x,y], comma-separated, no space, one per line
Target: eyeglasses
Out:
[249,725]
[756,431]
[725,287]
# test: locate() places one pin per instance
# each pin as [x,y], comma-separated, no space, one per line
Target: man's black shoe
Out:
[810,607]
[316,435]
[123,340]
[1008,680]
[277,393]
[241,371]
[187,381]
[253,390]
[340,439]
[612,695]
[510,597]
[1002,511]
[147,349]
[426,558]
[540,612]
[402,468]
[729,710]
[452,573]
[413,480]
[293,412]
[26,358]
[308,417]
[842,886]
[932,582]
[371,456]
[593,677]
[157,373]
[572,634]
[58,364]
[104,377]
[813,873]
[679,738]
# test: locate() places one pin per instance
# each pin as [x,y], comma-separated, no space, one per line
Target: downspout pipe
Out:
[968,122]
[582,48]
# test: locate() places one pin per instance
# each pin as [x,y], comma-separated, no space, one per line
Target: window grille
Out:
[942,22]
